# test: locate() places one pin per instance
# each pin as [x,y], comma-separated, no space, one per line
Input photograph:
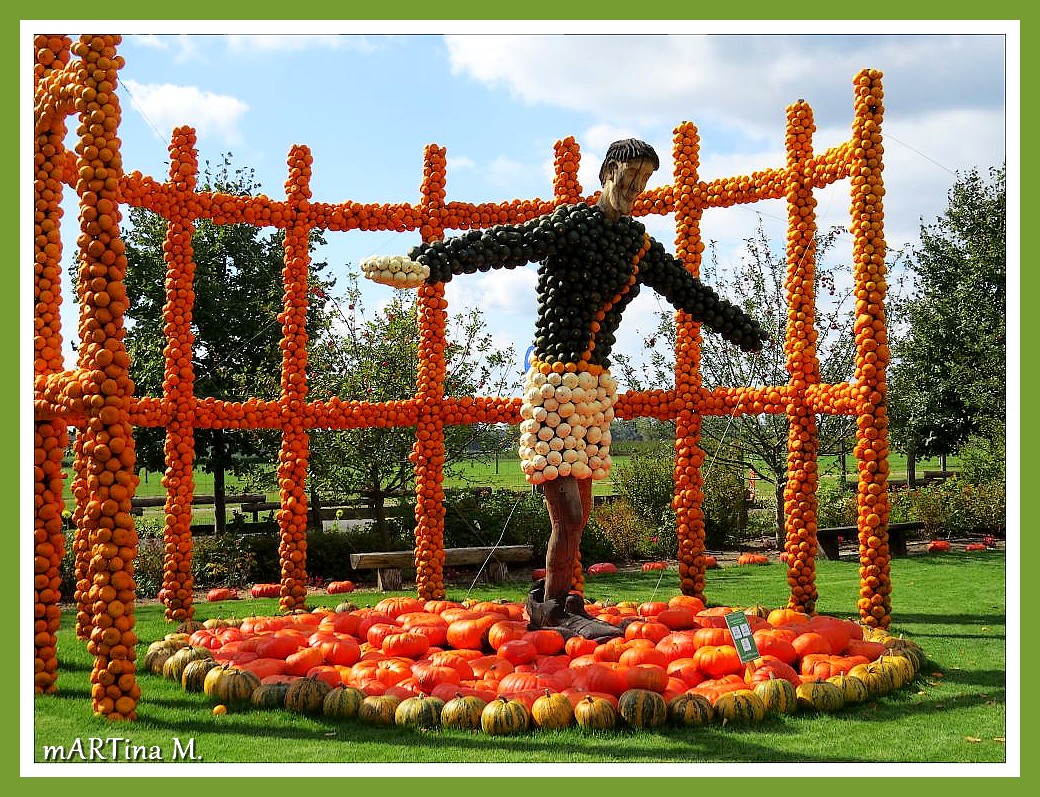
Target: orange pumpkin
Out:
[718,660]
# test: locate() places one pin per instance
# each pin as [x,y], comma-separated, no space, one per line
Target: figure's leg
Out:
[550,604]
[563,497]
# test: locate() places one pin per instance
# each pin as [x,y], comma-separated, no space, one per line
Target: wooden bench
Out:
[828,538]
[139,503]
[388,564]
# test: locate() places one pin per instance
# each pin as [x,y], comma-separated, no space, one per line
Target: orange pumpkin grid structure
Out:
[96,397]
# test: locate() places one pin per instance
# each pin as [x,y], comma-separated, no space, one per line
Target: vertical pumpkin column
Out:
[689,456]
[872,352]
[81,542]
[179,380]
[51,436]
[802,364]
[566,161]
[567,190]
[295,448]
[109,450]
[428,451]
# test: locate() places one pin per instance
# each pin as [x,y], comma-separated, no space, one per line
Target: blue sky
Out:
[366,97]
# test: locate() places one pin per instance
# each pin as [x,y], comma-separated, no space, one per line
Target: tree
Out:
[376,360]
[238,296]
[948,381]
[759,443]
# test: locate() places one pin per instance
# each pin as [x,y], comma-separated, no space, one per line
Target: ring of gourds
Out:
[475,665]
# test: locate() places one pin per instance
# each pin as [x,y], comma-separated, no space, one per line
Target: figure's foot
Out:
[569,620]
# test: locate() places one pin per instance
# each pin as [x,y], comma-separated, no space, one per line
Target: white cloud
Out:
[507,172]
[922,157]
[270,42]
[737,81]
[166,106]
[184,48]
[460,162]
[152,41]
[500,292]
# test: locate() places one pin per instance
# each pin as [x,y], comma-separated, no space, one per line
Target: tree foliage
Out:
[374,358]
[949,378]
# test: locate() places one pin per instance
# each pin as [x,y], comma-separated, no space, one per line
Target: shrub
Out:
[957,507]
[647,483]
[596,546]
[623,529]
[983,459]
[836,505]
[954,507]
[482,517]
[221,560]
[725,508]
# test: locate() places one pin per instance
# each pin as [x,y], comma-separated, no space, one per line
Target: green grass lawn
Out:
[954,712]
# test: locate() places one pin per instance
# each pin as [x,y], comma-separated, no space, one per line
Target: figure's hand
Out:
[397,271]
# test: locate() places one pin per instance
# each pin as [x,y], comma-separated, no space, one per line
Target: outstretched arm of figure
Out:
[501,246]
[666,275]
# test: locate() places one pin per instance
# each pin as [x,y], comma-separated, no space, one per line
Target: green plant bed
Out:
[953,712]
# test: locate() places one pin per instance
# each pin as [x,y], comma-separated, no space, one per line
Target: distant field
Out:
[506,474]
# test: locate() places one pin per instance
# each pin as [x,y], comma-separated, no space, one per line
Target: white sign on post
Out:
[743,639]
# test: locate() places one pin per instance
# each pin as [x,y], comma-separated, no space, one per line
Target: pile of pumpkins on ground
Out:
[475,665]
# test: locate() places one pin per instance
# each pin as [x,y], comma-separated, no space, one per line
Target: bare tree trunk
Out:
[379,511]
[315,510]
[377,505]
[219,504]
[911,469]
[780,530]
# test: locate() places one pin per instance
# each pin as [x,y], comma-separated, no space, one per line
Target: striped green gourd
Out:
[420,712]
[642,708]
[270,695]
[307,695]
[690,710]
[230,685]
[740,706]
[193,677]
[595,713]
[779,695]
[343,702]
[820,696]
[463,712]
[853,689]
[379,709]
[173,667]
[504,716]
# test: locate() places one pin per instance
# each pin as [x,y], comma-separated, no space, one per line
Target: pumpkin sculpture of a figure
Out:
[593,260]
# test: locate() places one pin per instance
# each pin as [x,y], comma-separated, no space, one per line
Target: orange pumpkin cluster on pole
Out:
[51,436]
[97,396]
[566,187]
[803,366]
[689,456]
[428,452]
[872,352]
[179,383]
[295,449]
